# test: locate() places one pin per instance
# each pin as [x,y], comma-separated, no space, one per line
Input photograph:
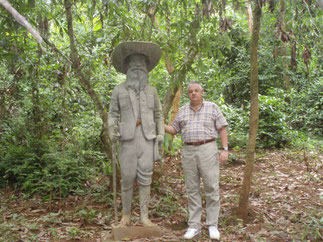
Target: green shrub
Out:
[280,114]
[55,172]
[238,123]
[43,166]
[305,111]
[273,130]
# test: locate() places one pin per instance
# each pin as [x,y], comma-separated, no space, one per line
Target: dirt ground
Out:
[285,204]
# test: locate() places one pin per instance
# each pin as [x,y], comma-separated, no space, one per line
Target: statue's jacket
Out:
[124,112]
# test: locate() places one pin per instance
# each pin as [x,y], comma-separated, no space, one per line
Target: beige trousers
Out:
[202,162]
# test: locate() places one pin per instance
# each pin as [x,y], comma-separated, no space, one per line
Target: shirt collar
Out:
[199,107]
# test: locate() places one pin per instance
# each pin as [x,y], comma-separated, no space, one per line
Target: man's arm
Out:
[224,137]
[170,130]
[224,141]
[176,124]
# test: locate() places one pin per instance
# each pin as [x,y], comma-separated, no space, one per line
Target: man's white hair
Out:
[194,83]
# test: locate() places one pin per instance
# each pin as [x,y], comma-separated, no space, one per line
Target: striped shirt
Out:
[200,125]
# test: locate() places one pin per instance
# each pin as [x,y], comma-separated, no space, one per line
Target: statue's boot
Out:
[144,198]
[126,207]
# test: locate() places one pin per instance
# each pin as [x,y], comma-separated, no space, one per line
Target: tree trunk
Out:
[176,104]
[221,10]
[249,15]
[254,115]
[280,34]
[178,79]
[2,108]
[293,55]
[179,76]
[168,100]
[85,80]
[282,24]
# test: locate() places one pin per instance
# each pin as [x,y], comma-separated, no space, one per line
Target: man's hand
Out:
[224,156]
[113,133]
[160,139]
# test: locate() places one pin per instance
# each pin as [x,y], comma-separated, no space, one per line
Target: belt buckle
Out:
[197,143]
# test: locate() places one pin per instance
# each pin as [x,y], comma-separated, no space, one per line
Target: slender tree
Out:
[249,15]
[178,76]
[254,113]
[176,104]
[284,37]
[85,80]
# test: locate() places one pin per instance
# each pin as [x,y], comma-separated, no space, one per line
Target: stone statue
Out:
[136,120]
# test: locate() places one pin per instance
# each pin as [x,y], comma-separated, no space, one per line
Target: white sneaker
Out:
[214,233]
[191,232]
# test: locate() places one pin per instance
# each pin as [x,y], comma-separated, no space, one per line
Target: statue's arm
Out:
[158,115]
[114,111]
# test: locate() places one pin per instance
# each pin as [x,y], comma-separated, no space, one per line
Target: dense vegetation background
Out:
[54,98]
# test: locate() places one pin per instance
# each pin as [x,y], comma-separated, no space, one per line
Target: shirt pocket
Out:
[124,102]
[150,101]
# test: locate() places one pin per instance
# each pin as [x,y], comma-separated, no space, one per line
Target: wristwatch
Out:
[225,148]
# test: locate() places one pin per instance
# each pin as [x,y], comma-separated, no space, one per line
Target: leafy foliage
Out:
[273,127]
[53,171]
[50,130]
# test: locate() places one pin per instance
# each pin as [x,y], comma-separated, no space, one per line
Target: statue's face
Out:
[137,69]
[137,62]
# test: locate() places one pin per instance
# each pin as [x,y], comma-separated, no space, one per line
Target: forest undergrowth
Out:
[285,204]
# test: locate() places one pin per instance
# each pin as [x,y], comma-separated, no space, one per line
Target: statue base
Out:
[135,232]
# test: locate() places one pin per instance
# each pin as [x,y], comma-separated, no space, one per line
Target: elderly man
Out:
[135,119]
[199,122]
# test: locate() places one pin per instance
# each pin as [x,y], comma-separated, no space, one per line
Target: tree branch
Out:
[21,19]
[309,12]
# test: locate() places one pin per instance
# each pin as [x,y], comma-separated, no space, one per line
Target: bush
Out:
[273,130]
[305,109]
[43,166]
[238,123]
[56,171]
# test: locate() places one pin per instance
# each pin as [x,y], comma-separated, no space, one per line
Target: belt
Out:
[197,143]
[138,122]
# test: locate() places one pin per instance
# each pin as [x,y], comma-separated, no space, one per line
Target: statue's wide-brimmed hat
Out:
[123,50]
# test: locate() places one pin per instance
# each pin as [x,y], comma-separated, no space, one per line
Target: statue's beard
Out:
[137,78]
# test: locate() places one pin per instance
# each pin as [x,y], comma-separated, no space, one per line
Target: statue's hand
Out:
[160,139]
[113,133]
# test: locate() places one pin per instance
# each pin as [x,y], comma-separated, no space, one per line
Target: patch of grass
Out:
[86,215]
[166,205]
[313,226]
[236,158]
[52,218]
[74,232]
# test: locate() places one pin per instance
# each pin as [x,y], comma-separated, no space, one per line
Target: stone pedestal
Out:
[135,232]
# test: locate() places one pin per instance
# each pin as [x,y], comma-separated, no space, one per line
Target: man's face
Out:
[195,92]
